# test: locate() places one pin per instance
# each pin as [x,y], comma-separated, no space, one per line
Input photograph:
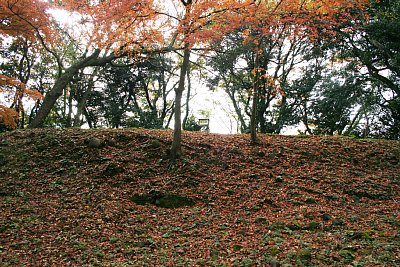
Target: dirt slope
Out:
[112,198]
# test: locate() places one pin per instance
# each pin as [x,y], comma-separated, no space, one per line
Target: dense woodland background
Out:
[325,74]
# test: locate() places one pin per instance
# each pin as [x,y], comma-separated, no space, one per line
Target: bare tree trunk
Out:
[354,122]
[89,122]
[256,88]
[242,125]
[63,80]
[24,73]
[170,116]
[68,122]
[80,107]
[187,99]
[305,117]
[51,98]
[176,148]
[253,119]
[83,100]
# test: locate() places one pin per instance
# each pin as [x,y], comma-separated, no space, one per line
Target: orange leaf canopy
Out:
[12,88]
[202,21]
[135,25]
[21,19]
[117,24]
[300,17]
[25,18]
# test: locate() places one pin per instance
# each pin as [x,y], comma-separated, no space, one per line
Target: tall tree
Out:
[202,22]
[314,20]
[14,88]
[23,19]
[113,29]
[129,32]
[133,95]
[334,104]
[375,48]
[198,23]
[234,64]
[18,61]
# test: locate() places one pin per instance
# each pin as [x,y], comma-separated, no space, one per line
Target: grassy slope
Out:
[311,201]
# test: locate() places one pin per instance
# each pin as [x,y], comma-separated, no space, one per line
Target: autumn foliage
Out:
[25,18]
[138,28]
[77,197]
[12,91]
[136,25]
[120,25]
[28,20]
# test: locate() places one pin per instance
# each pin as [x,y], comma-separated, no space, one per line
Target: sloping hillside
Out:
[112,198]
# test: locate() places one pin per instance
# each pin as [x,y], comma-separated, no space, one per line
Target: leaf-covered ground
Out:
[67,200]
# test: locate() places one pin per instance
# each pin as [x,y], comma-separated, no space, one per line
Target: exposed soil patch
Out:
[163,200]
